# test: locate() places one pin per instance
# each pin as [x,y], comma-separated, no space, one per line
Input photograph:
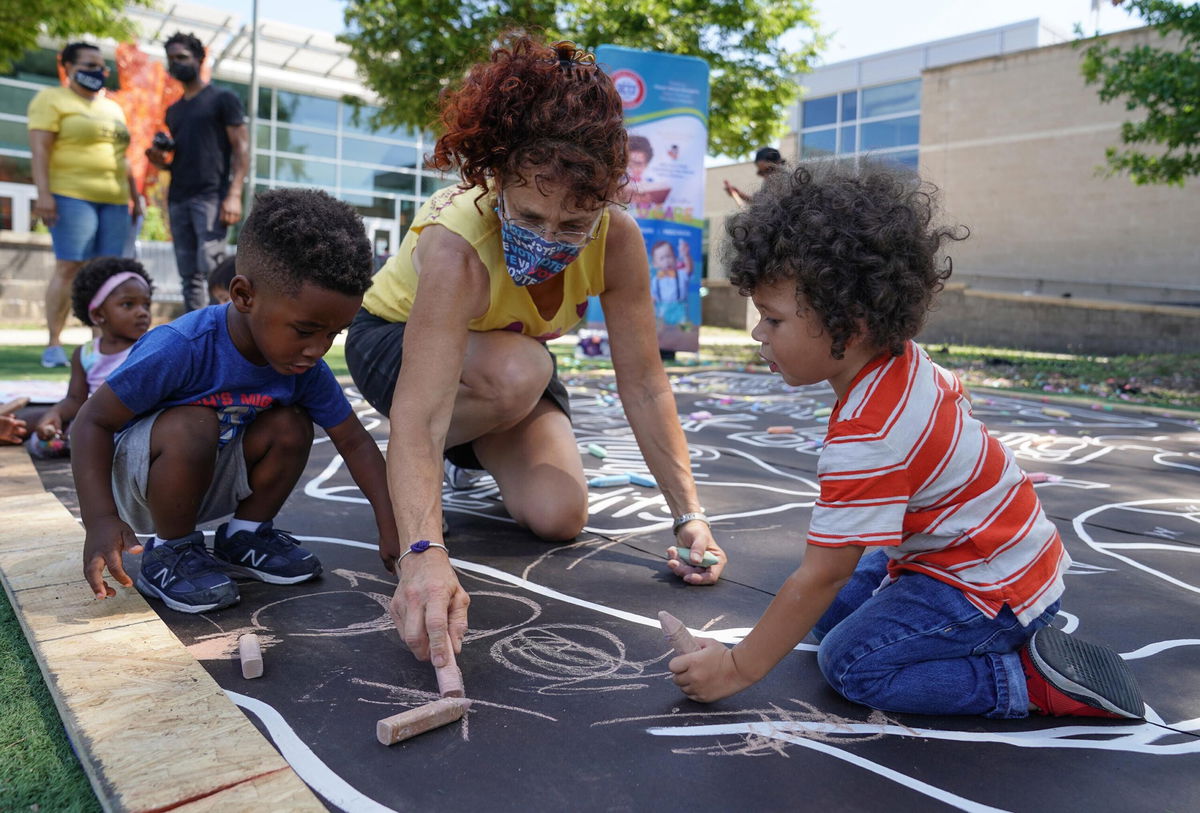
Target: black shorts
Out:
[374,352]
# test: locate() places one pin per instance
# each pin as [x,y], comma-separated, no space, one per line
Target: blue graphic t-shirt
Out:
[193,361]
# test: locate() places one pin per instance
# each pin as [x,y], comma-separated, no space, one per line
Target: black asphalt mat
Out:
[566,664]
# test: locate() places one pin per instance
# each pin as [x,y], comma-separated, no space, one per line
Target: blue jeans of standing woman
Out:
[918,646]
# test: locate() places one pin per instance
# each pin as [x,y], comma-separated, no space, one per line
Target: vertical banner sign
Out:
[666,113]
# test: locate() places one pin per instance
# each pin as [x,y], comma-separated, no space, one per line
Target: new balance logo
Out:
[164,578]
[255,560]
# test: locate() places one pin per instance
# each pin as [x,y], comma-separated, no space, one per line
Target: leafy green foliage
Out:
[408,50]
[1162,81]
[21,21]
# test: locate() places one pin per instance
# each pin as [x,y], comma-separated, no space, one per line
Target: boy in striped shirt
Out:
[931,573]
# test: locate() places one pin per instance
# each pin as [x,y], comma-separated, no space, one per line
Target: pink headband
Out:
[109,286]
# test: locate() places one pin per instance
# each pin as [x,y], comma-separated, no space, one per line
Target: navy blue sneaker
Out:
[267,554]
[184,575]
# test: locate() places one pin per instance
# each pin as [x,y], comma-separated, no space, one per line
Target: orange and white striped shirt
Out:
[906,465]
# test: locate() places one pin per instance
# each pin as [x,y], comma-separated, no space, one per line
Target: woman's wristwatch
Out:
[683,519]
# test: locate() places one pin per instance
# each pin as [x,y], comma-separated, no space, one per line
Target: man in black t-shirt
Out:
[208,168]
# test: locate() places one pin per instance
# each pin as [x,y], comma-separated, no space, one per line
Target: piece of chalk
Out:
[596,450]
[707,560]
[392,730]
[677,634]
[13,405]
[449,678]
[644,480]
[1054,412]
[250,654]
[781,430]
[822,412]
[610,480]
[1042,477]
[702,415]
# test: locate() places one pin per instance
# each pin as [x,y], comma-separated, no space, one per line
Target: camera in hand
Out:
[163,142]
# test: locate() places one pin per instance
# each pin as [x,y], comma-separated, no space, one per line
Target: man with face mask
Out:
[208,166]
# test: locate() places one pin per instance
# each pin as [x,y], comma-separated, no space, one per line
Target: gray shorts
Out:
[131,472]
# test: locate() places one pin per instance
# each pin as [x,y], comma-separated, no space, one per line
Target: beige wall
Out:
[1015,142]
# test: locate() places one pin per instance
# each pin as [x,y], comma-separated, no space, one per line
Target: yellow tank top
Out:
[511,307]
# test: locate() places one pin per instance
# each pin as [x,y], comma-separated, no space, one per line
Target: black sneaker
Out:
[184,575]
[267,554]
[1067,677]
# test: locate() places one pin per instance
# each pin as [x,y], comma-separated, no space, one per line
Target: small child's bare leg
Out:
[276,448]
[183,447]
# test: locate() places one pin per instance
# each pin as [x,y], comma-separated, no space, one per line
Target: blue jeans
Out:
[85,229]
[199,238]
[918,646]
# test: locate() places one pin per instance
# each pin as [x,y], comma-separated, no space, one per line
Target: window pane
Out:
[298,170]
[379,152]
[362,125]
[848,135]
[288,139]
[311,111]
[40,66]
[907,158]
[850,105]
[408,210]
[384,180]
[816,112]
[262,136]
[14,135]
[370,206]
[816,145]
[903,97]
[879,135]
[15,100]
[262,166]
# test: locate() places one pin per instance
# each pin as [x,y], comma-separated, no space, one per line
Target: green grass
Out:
[38,769]
[22,361]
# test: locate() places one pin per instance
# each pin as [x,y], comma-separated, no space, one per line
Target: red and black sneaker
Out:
[1067,677]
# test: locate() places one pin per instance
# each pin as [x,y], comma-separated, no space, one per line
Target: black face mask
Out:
[184,73]
[90,80]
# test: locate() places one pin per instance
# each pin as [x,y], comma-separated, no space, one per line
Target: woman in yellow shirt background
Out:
[78,139]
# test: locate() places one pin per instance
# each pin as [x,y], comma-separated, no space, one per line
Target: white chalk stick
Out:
[250,654]
[392,730]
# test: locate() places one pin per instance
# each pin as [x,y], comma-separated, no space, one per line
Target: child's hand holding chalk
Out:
[707,674]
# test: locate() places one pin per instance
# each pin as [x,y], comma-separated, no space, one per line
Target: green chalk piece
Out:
[643,480]
[822,412]
[709,559]
[596,450]
[610,480]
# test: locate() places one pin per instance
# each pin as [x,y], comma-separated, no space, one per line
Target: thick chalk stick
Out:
[644,480]
[13,405]
[449,679]
[392,730]
[677,634]
[596,450]
[1042,477]
[708,560]
[781,430]
[702,415]
[822,412]
[250,654]
[1055,412]
[610,480]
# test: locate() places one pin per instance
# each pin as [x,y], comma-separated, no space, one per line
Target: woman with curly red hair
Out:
[491,269]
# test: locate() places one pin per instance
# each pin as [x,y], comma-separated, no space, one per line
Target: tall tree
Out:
[22,21]
[408,50]
[1162,81]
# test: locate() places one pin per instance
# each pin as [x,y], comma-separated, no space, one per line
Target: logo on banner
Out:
[630,87]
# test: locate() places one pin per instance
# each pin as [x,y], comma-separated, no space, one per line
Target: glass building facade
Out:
[301,140]
[883,121]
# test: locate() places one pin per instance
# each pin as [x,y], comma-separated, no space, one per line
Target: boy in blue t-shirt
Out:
[213,414]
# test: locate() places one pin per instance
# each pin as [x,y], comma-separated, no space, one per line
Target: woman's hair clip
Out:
[569,56]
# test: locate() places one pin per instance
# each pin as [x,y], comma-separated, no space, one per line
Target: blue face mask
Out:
[91,80]
[531,258]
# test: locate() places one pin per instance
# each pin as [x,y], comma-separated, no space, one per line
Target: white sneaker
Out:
[459,478]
